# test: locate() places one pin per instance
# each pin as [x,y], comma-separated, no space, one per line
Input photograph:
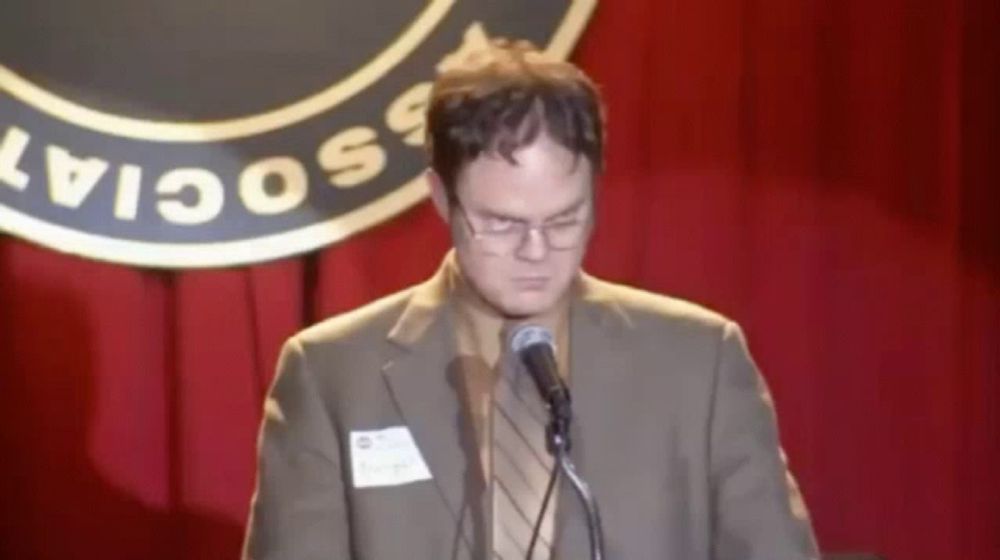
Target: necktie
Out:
[521,466]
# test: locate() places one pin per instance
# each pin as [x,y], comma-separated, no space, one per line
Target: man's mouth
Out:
[531,282]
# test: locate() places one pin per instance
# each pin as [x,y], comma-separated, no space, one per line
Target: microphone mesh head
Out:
[530,335]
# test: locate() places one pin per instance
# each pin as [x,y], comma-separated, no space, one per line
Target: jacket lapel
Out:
[597,361]
[419,377]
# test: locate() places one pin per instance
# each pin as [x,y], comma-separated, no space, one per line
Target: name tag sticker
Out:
[386,457]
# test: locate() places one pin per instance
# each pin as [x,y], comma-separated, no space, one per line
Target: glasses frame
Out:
[542,229]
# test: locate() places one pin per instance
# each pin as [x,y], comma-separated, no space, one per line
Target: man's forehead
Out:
[541,203]
[557,156]
[526,168]
[562,163]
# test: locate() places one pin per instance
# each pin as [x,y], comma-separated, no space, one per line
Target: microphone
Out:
[535,347]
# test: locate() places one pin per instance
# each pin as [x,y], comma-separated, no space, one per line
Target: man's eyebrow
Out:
[568,210]
[573,207]
[501,216]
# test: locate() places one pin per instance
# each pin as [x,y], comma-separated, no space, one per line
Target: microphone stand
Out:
[558,444]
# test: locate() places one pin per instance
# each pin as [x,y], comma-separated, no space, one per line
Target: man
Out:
[405,430]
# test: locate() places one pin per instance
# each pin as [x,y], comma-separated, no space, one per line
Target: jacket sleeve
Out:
[299,509]
[758,512]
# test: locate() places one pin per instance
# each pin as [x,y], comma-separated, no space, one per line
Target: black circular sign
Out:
[200,134]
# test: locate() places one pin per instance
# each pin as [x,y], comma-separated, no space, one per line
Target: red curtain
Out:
[820,171]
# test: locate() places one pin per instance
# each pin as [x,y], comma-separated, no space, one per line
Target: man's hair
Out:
[501,99]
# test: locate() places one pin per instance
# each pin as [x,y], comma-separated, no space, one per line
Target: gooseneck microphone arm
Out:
[534,346]
[594,530]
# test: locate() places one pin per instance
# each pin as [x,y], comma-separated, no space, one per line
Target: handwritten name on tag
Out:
[387,457]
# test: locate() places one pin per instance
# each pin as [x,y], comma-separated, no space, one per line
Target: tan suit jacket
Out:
[674,430]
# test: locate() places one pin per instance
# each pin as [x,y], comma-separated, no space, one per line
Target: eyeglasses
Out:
[503,236]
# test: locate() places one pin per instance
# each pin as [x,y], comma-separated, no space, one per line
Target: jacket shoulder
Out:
[648,308]
[370,321]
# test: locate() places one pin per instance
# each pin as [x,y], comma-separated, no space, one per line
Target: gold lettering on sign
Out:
[208,203]
[253,185]
[11,150]
[352,157]
[406,114]
[71,179]
[127,197]
[475,39]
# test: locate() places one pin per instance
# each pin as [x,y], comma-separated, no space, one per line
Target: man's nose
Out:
[534,247]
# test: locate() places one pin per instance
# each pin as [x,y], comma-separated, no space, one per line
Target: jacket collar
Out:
[430,301]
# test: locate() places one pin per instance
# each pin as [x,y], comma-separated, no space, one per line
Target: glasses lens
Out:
[565,235]
[557,236]
[502,243]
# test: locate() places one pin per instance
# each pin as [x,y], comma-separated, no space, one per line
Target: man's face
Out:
[504,214]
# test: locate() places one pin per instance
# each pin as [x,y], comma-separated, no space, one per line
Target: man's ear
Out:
[439,195]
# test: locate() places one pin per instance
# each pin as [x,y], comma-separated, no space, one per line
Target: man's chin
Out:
[527,306]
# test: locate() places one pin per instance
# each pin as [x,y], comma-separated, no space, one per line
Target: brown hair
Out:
[501,99]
